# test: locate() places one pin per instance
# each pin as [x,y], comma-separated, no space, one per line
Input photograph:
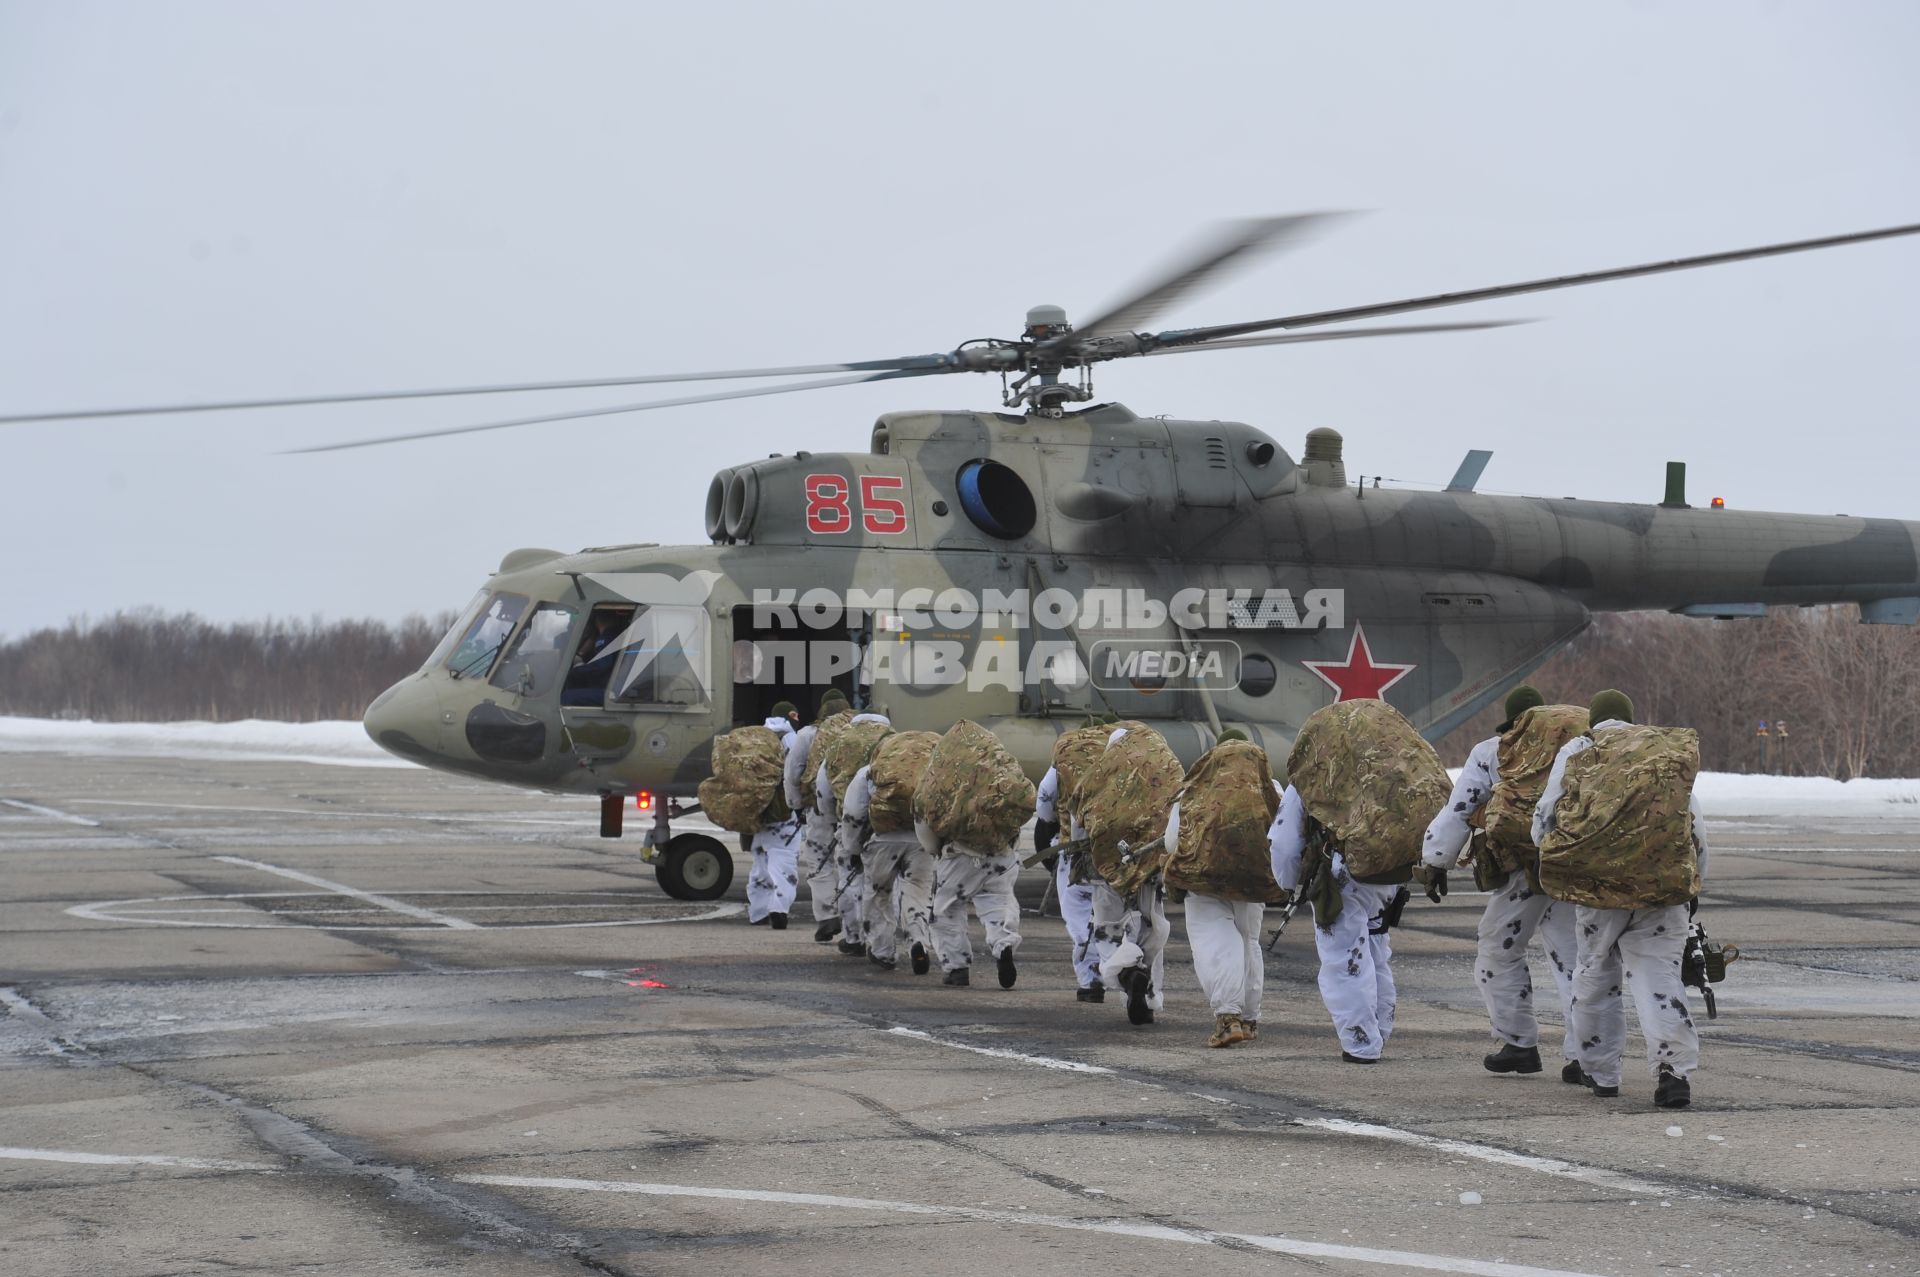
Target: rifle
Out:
[1704,963]
[1080,846]
[1300,893]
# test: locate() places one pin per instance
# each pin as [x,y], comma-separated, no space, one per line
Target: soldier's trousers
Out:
[1356,968]
[1513,914]
[1131,931]
[899,893]
[1076,910]
[1647,946]
[849,890]
[1225,938]
[817,865]
[986,883]
[774,878]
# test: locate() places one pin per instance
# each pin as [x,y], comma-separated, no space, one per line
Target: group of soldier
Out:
[899,834]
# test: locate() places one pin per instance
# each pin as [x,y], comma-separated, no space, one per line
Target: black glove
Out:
[1044,832]
[1436,885]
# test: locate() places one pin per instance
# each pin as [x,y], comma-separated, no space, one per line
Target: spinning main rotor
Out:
[1033,365]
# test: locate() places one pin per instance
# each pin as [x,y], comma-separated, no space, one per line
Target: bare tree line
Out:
[149,666]
[1848,694]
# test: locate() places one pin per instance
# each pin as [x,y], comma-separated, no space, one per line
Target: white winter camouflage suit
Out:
[847,883]
[1647,945]
[1356,954]
[1076,898]
[1515,911]
[1130,931]
[774,878]
[815,852]
[1225,938]
[965,876]
[897,874]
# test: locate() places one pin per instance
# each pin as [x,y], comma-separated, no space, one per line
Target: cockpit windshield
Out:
[537,660]
[486,635]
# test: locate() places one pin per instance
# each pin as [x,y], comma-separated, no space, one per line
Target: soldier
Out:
[1123,802]
[1504,866]
[774,878]
[1217,854]
[969,808]
[816,847]
[1372,776]
[1073,750]
[898,871]
[1649,856]
[849,886]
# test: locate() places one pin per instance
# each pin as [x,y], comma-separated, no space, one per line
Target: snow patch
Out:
[337,744]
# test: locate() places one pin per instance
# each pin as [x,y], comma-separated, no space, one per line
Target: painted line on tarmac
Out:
[1593,1175]
[341,889]
[1027,1219]
[116,911]
[436,818]
[1000,1053]
[129,1159]
[37,810]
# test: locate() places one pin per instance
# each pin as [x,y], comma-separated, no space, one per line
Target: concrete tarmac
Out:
[262,1016]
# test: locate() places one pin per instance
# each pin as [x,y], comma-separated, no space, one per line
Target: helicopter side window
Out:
[595,654]
[535,660]
[662,659]
[487,634]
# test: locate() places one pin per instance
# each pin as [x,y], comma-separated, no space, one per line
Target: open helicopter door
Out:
[776,659]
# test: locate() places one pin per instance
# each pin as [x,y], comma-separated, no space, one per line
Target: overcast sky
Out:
[212,200]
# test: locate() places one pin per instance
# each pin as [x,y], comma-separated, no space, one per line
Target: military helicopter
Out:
[1030,567]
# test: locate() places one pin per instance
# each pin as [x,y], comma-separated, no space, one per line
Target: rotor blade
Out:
[1187,336]
[1282,339]
[714,397]
[1232,245]
[929,363]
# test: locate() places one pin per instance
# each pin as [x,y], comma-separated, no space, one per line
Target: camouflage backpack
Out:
[1073,754]
[894,774]
[1226,806]
[825,732]
[1373,781]
[1124,801]
[973,791]
[850,751]
[1623,830]
[744,791]
[1527,751]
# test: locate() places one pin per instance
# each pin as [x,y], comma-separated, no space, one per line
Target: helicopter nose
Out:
[405,719]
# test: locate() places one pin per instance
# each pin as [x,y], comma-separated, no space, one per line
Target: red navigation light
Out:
[644,800]
[1719,503]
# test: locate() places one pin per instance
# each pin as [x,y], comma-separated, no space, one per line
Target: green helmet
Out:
[832,703]
[1230,733]
[1611,703]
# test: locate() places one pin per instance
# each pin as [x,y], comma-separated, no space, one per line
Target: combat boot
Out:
[1572,1074]
[1253,1029]
[827,930]
[885,964]
[921,963]
[957,978]
[1672,1091]
[1350,1058]
[1007,974]
[1227,1030]
[852,949]
[1513,1059]
[1604,1092]
[1137,982]
[778,921]
[1095,992]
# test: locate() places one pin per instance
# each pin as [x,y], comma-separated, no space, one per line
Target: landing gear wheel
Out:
[694,867]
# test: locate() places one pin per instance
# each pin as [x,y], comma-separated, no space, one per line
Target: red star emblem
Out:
[1359,677]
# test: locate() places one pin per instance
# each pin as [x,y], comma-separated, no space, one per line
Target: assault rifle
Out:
[1704,963]
[1300,893]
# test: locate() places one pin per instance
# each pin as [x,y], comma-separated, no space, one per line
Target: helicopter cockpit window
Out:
[486,636]
[663,659]
[536,659]
[444,648]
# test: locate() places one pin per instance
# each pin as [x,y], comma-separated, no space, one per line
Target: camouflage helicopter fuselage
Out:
[1439,601]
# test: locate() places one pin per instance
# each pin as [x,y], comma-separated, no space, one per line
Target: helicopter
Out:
[1059,559]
